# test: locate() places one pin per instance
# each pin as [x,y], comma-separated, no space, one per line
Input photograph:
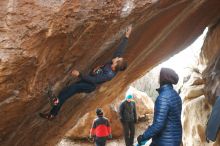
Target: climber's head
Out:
[119,64]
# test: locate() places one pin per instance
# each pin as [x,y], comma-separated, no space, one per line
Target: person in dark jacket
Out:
[101,129]
[213,124]
[98,75]
[166,129]
[128,117]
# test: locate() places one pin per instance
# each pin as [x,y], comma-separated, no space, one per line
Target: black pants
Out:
[129,131]
[74,88]
[100,141]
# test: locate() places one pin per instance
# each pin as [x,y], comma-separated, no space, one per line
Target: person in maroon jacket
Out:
[101,129]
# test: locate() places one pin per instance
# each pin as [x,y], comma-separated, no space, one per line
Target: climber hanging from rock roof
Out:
[88,83]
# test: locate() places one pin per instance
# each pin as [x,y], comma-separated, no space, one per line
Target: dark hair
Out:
[121,65]
[99,112]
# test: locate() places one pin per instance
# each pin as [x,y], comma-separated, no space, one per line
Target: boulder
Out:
[192,92]
[194,118]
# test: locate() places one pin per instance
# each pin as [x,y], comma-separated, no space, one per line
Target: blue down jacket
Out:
[166,129]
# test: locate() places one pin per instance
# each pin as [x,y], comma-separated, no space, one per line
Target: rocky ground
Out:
[114,142]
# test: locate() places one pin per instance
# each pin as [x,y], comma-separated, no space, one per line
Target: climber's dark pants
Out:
[74,88]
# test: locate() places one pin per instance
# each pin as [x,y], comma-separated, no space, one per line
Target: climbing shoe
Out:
[47,116]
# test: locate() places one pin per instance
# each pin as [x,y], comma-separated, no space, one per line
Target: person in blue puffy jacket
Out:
[166,129]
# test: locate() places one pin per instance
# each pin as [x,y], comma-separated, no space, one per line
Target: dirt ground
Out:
[114,142]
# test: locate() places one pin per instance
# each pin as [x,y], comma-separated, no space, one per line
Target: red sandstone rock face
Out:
[42,40]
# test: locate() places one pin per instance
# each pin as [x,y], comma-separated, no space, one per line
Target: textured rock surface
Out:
[196,110]
[195,114]
[210,57]
[41,40]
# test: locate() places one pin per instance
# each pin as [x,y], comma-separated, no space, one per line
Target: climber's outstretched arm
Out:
[123,44]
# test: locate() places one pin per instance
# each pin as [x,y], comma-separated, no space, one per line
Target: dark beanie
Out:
[99,112]
[168,76]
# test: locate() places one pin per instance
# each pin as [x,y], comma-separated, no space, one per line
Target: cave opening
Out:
[184,62]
